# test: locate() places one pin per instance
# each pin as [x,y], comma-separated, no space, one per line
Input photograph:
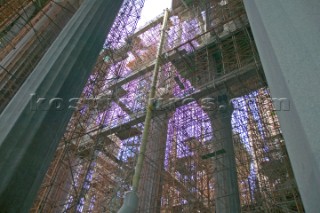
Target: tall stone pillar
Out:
[286,33]
[150,187]
[30,128]
[226,181]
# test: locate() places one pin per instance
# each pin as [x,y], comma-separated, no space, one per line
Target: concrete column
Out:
[150,187]
[226,181]
[287,37]
[31,129]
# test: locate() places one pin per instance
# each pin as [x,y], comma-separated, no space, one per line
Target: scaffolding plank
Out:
[128,133]
[213,154]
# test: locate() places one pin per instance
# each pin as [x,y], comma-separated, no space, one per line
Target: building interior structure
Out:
[178,111]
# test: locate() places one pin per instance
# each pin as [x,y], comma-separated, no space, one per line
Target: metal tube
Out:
[137,174]
[131,198]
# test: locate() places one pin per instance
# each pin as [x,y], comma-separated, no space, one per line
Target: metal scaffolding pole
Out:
[131,200]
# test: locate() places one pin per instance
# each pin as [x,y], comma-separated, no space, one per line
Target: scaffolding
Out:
[86,158]
[214,143]
[27,30]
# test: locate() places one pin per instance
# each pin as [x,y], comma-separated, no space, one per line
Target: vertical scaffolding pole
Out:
[131,199]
